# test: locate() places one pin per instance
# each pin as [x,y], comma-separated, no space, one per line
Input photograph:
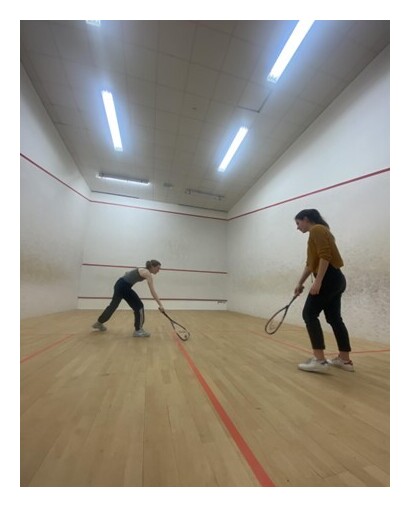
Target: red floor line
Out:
[367,351]
[52,345]
[307,350]
[256,467]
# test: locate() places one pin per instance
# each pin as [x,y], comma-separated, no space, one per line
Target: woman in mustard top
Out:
[324,262]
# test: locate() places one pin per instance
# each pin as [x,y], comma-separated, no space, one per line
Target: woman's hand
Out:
[315,289]
[298,289]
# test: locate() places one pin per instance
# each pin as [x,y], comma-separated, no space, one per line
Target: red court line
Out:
[256,467]
[330,187]
[369,351]
[223,219]
[311,193]
[307,350]
[117,204]
[55,177]
[162,299]
[52,345]
[162,269]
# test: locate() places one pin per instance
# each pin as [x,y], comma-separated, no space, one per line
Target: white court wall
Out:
[340,166]
[52,215]
[123,233]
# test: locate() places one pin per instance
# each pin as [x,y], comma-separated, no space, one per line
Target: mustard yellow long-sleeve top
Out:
[322,245]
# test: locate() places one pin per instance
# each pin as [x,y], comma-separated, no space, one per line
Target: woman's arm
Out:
[153,292]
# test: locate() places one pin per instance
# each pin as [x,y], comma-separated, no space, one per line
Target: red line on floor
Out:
[256,467]
[52,345]
[308,350]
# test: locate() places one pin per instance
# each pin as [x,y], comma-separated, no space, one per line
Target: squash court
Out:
[216,155]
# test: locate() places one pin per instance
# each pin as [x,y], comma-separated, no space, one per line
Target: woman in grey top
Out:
[123,290]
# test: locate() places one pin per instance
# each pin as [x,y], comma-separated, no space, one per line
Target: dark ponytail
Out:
[152,264]
[313,216]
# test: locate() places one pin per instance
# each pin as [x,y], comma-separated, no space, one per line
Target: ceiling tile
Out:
[254,96]
[172,72]
[210,47]
[194,106]
[176,38]
[201,81]
[229,88]
[141,62]
[142,33]
[241,58]
[168,99]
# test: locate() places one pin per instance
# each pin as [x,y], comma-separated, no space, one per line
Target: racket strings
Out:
[275,321]
[181,331]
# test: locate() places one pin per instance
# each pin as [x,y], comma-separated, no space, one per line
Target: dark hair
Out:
[152,264]
[313,216]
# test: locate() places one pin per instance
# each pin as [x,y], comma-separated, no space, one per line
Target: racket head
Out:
[182,333]
[276,320]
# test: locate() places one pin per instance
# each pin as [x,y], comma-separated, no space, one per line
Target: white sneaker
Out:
[99,326]
[142,333]
[315,365]
[341,363]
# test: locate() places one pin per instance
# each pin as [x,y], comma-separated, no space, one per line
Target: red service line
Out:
[40,351]
[162,299]
[162,269]
[256,467]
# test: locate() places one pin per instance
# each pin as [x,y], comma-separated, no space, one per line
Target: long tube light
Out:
[191,191]
[289,49]
[123,179]
[112,119]
[240,136]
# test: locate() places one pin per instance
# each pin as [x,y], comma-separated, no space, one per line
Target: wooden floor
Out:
[227,408]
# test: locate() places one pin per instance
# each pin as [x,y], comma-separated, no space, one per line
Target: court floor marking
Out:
[309,351]
[44,349]
[256,467]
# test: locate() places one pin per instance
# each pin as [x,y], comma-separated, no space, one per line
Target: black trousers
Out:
[329,301]
[123,290]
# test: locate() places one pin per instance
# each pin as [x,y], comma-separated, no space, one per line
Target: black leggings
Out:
[123,290]
[329,300]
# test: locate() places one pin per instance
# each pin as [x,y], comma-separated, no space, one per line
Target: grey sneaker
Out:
[141,333]
[341,363]
[99,326]
[315,365]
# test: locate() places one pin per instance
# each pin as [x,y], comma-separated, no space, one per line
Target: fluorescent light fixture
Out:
[124,179]
[289,49]
[96,22]
[112,119]
[191,191]
[232,149]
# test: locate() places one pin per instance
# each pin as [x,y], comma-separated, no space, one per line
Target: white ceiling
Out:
[182,89]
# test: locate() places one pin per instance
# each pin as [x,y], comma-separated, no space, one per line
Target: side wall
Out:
[340,166]
[53,213]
